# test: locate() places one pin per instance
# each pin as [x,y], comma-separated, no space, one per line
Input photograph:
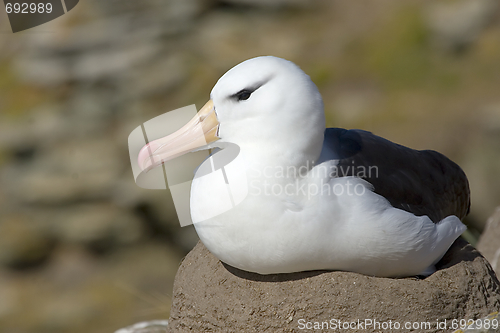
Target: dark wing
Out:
[422,182]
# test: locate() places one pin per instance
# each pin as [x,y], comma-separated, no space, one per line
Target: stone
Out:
[210,296]
[456,24]
[481,163]
[489,243]
[156,78]
[43,126]
[69,171]
[44,71]
[110,63]
[9,297]
[22,242]
[98,226]
[271,4]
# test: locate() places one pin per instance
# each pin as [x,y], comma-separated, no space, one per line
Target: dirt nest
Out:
[210,296]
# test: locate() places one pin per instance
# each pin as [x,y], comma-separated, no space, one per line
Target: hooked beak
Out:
[198,132]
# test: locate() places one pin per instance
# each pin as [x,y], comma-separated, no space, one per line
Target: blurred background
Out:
[83,249]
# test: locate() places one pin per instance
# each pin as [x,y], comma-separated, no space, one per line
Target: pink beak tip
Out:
[144,158]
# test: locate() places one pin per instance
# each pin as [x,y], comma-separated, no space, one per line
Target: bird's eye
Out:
[243,95]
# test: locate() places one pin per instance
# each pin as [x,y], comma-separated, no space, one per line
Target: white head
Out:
[269,102]
[266,105]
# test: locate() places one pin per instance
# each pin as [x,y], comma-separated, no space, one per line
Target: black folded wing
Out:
[422,182]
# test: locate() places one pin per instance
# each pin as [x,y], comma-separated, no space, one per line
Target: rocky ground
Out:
[83,249]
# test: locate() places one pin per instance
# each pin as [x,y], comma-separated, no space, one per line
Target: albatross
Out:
[305,197]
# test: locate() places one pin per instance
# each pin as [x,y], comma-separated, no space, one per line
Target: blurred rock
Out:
[171,10]
[72,170]
[43,70]
[99,227]
[157,77]
[9,297]
[186,238]
[271,3]
[67,310]
[106,47]
[157,211]
[111,63]
[210,296]
[45,125]
[89,113]
[77,291]
[15,136]
[223,40]
[490,121]
[456,24]
[489,243]
[50,187]
[22,242]
[89,36]
[481,163]
[352,105]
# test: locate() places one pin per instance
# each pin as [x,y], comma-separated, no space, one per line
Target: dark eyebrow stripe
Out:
[251,89]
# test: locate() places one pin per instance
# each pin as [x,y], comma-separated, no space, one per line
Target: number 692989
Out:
[28,8]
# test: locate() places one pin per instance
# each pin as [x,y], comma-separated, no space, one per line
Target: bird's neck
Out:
[275,163]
